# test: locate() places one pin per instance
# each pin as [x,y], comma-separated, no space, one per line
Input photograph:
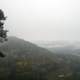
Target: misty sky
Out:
[43,19]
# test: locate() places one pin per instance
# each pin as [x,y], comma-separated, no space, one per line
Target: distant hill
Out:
[23,49]
[61,47]
[27,61]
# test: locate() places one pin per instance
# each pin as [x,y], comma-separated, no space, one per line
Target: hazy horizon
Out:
[47,20]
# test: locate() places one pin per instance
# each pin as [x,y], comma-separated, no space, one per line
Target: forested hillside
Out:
[27,61]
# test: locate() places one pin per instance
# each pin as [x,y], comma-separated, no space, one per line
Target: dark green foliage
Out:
[3,32]
[2,17]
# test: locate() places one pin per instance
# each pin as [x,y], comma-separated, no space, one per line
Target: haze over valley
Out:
[43,40]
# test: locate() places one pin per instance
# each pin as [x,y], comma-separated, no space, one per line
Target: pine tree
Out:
[3,32]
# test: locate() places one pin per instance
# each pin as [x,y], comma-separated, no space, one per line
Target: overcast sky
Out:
[43,19]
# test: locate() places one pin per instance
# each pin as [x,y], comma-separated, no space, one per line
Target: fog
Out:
[43,19]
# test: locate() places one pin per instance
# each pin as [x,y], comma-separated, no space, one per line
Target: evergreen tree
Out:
[3,32]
